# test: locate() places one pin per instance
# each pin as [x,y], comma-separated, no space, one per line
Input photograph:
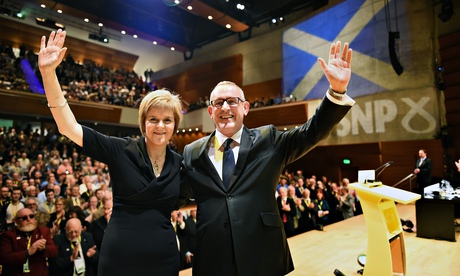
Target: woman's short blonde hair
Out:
[160,99]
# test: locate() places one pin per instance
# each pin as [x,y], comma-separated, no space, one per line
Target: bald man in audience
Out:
[77,252]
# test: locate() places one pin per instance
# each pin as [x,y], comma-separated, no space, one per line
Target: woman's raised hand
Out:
[51,54]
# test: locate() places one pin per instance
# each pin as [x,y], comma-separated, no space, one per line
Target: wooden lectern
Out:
[386,254]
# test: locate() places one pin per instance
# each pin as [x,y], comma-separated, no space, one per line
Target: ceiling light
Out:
[189,8]
[135,35]
[173,49]
[240,6]
[228,26]
[155,43]
[172,3]
[210,17]
[86,20]
[43,6]
[100,25]
[59,11]
[274,20]
[123,31]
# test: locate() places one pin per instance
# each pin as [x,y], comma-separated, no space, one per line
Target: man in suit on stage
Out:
[77,252]
[25,249]
[238,226]
[422,169]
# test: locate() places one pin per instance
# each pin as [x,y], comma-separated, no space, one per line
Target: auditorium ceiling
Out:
[183,24]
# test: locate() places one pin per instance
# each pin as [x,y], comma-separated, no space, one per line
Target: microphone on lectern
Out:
[383,167]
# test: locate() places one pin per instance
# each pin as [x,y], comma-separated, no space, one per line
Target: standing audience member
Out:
[307,220]
[48,205]
[347,203]
[77,252]
[237,209]
[4,196]
[25,249]
[287,210]
[145,174]
[9,210]
[322,210]
[190,237]
[59,218]
[75,197]
[423,168]
[98,226]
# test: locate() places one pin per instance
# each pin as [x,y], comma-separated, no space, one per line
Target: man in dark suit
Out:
[25,249]
[422,169]
[287,210]
[190,238]
[77,252]
[99,225]
[239,226]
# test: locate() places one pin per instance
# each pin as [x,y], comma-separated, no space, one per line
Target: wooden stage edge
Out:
[319,253]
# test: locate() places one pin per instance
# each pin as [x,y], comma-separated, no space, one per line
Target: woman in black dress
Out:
[145,175]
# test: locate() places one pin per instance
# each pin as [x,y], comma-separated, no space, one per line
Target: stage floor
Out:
[319,253]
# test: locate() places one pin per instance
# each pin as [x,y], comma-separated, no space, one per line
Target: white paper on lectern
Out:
[364,175]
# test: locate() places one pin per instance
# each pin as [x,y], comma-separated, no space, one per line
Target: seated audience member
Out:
[347,203]
[321,210]
[77,252]
[99,225]
[59,218]
[25,249]
[9,210]
[287,210]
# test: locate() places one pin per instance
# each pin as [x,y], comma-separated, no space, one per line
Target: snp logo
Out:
[377,116]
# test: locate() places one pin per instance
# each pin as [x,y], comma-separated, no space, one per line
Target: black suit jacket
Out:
[242,225]
[62,266]
[424,176]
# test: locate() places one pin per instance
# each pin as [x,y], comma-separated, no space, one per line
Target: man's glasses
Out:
[24,218]
[233,101]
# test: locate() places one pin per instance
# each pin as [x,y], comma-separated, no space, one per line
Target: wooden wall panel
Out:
[17,34]
[198,81]
[268,89]
[23,103]
[279,115]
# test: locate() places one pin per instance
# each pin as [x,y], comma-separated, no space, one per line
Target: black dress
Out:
[139,239]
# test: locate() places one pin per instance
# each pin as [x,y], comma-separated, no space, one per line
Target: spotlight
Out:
[45,22]
[447,10]
[99,37]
